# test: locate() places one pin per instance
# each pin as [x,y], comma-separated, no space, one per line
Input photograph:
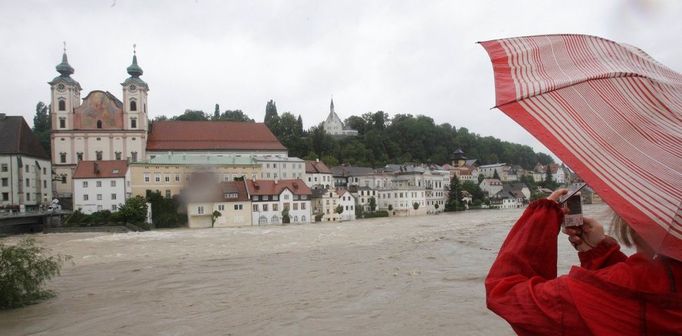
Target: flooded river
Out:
[397,276]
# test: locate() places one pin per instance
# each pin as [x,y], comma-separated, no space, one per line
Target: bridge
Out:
[29,222]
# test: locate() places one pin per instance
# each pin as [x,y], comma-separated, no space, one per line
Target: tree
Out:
[192,115]
[496,175]
[24,268]
[454,196]
[339,209]
[214,217]
[390,207]
[165,212]
[481,177]
[299,124]
[271,117]
[133,211]
[285,216]
[41,125]
[216,112]
[415,205]
[234,115]
[372,204]
[474,190]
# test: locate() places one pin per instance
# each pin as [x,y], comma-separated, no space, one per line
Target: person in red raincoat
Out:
[609,294]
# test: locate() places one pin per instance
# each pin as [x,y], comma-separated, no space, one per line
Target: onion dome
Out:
[64,68]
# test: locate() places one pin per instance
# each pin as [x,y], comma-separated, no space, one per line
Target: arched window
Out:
[62,105]
[133,105]
[274,219]
[99,123]
[303,219]
[262,220]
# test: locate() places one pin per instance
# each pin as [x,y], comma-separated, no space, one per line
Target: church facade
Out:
[98,127]
[334,126]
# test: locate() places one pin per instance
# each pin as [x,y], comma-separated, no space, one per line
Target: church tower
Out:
[66,96]
[135,98]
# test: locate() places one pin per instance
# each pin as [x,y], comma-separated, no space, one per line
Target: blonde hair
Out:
[621,230]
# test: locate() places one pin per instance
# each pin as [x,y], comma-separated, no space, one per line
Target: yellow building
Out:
[229,199]
[170,173]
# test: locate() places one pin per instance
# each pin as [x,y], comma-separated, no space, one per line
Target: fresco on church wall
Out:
[99,106]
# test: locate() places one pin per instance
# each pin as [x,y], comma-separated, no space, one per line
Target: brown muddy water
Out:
[398,276]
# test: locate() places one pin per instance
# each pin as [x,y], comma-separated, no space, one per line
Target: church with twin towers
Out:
[97,127]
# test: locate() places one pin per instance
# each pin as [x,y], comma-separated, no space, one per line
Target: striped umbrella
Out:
[609,111]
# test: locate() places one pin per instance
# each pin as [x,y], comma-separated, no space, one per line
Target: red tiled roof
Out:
[101,169]
[211,135]
[269,187]
[17,138]
[316,167]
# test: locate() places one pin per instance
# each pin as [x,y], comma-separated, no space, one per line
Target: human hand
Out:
[586,236]
[556,195]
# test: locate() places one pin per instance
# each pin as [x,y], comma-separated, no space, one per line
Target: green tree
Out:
[285,216]
[24,268]
[339,209]
[454,196]
[477,195]
[496,175]
[133,211]
[216,112]
[41,125]
[214,217]
[165,211]
[271,117]
[415,205]
[481,177]
[235,115]
[372,204]
[192,115]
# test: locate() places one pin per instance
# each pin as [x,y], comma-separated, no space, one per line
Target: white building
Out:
[347,203]
[274,167]
[318,175]
[489,170]
[100,127]
[324,203]
[100,185]
[402,202]
[491,186]
[269,199]
[334,126]
[230,199]
[25,169]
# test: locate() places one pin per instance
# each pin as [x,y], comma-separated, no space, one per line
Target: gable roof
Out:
[101,169]
[343,171]
[211,135]
[316,167]
[217,193]
[17,138]
[269,187]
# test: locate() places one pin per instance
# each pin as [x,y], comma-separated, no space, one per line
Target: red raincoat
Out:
[610,294]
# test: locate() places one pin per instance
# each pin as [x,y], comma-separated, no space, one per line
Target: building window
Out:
[5,196]
[85,184]
[28,196]
[113,197]
[3,168]
[113,183]
[5,182]
[166,178]
[133,156]
[62,105]
[230,195]
[238,206]
[79,156]
[146,178]
[85,197]
[133,107]
[303,208]
[133,122]
[265,207]
[62,157]
[26,168]
[99,207]
[118,155]
[99,124]
[275,207]
[63,177]
[168,193]
[221,207]
[157,178]
[295,206]
[177,178]
[98,184]
[255,208]
[28,183]
[99,197]
[98,154]
[114,207]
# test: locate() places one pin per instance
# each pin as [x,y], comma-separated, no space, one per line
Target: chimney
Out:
[96,168]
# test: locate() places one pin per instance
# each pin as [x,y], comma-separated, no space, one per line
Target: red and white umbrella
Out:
[609,111]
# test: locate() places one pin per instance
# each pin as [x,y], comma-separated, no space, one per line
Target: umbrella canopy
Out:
[610,112]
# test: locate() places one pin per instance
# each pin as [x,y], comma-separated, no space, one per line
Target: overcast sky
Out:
[416,57]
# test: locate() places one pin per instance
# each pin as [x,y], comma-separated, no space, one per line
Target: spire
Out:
[331,106]
[64,68]
[135,70]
